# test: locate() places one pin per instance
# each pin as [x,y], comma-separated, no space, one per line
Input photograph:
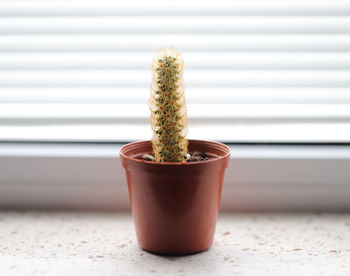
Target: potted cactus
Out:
[174,184]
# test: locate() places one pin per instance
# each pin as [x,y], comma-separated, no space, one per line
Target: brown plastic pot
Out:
[175,205]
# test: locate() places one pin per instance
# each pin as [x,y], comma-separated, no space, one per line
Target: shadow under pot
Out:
[175,205]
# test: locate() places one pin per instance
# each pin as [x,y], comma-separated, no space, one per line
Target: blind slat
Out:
[204,61]
[178,24]
[127,94]
[215,78]
[230,112]
[261,133]
[197,43]
[180,7]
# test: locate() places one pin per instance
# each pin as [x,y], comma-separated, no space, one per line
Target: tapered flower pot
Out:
[175,205]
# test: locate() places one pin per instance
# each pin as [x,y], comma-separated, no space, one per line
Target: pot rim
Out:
[133,145]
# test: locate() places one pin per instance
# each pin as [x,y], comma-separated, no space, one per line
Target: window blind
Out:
[255,71]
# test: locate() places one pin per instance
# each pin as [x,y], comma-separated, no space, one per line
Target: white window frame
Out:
[90,176]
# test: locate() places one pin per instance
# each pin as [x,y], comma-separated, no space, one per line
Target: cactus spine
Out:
[168,107]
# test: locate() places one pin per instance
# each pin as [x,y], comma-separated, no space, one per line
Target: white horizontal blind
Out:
[255,71]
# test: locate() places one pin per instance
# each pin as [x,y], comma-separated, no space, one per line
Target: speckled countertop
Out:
[56,243]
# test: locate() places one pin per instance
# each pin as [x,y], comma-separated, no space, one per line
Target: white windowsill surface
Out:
[51,243]
[259,177]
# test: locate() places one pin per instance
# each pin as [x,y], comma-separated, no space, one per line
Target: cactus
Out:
[168,107]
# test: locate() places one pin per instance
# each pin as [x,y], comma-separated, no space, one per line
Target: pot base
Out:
[175,254]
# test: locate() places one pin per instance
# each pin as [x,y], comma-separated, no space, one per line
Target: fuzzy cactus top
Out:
[168,107]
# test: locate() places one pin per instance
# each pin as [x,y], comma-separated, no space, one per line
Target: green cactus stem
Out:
[168,107]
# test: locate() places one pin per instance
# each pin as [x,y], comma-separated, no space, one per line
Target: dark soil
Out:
[191,156]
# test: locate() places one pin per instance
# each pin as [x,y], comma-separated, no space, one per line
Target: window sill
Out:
[105,244]
[90,176]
